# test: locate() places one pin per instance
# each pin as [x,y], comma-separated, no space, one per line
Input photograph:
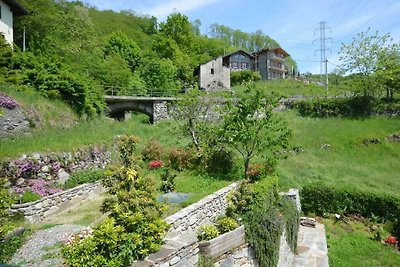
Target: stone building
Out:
[213,75]
[9,9]
[271,63]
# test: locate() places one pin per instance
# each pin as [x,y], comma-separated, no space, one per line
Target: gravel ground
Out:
[42,249]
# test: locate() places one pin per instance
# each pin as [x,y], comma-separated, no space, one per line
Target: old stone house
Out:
[215,74]
[9,9]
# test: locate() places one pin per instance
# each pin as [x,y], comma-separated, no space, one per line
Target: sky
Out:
[293,23]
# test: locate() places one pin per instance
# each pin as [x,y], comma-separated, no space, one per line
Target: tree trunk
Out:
[246,166]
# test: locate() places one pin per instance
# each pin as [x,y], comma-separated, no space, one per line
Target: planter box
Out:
[218,246]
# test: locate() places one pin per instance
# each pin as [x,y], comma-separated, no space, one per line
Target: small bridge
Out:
[154,107]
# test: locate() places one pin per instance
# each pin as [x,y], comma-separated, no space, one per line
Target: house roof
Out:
[16,8]
[276,50]
[238,51]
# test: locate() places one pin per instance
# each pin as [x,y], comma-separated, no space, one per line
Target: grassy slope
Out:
[348,161]
[351,245]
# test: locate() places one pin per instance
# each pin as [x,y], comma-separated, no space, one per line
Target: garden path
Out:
[312,250]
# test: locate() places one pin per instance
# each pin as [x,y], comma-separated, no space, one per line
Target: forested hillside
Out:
[78,53]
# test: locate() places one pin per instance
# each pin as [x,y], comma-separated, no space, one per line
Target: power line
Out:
[322,40]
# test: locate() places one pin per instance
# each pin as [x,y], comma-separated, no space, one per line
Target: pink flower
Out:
[155,164]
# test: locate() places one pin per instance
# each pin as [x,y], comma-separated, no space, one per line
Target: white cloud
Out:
[163,9]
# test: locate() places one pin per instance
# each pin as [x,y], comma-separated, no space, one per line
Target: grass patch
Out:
[96,131]
[348,161]
[352,244]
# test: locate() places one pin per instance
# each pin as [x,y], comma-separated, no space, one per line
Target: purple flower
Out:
[55,166]
[19,190]
[7,102]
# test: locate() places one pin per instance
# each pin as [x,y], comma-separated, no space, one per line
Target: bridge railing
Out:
[132,91]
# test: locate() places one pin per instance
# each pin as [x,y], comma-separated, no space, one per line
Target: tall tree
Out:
[251,128]
[362,57]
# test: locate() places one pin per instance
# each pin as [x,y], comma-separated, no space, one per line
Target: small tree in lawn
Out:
[251,128]
[192,112]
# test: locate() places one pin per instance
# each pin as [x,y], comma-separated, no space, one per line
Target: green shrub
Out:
[83,177]
[29,196]
[220,161]
[9,248]
[320,198]
[226,224]
[152,150]
[244,76]
[134,227]
[207,232]
[178,159]
[355,106]
[167,182]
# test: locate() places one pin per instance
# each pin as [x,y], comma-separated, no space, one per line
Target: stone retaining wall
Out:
[54,168]
[181,248]
[49,205]
[199,213]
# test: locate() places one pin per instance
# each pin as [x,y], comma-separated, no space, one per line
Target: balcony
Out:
[277,57]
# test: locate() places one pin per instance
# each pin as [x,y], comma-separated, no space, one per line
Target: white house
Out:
[8,9]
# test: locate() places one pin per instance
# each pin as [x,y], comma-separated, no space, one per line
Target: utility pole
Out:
[323,61]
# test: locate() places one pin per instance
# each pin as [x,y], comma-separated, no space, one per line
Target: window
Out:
[212,70]
[0,11]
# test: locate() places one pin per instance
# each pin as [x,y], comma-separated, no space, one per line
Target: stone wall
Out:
[199,213]
[160,110]
[181,248]
[49,205]
[54,168]
[13,122]
[181,245]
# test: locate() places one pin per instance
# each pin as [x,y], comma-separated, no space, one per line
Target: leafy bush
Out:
[355,106]
[178,159]
[226,224]
[254,172]
[167,182]
[320,198]
[9,248]
[207,232]
[83,177]
[220,161]
[240,199]
[152,150]
[244,76]
[134,228]
[29,197]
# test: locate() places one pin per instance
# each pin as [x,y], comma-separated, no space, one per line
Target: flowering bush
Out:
[155,164]
[7,102]
[254,172]
[40,187]
[152,150]
[178,159]
[391,240]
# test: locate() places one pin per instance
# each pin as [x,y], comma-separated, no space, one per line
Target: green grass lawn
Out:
[351,244]
[290,88]
[348,161]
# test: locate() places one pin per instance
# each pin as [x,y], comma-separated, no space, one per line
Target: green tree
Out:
[388,72]
[251,128]
[364,57]
[160,76]
[178,28]
[126,48]
[192,112]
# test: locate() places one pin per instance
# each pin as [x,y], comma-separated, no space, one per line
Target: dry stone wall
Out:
[54,168]
[49,205]
[181,248]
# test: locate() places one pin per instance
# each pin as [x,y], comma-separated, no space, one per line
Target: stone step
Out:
[312,250]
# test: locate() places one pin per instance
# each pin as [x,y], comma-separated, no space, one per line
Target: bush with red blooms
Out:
[155,164]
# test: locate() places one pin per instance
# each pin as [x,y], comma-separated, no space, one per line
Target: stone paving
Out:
[312,248]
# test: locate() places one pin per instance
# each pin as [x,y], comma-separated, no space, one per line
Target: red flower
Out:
[155,164]
[391,240]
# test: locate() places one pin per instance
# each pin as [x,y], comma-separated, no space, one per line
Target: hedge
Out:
[320,198]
